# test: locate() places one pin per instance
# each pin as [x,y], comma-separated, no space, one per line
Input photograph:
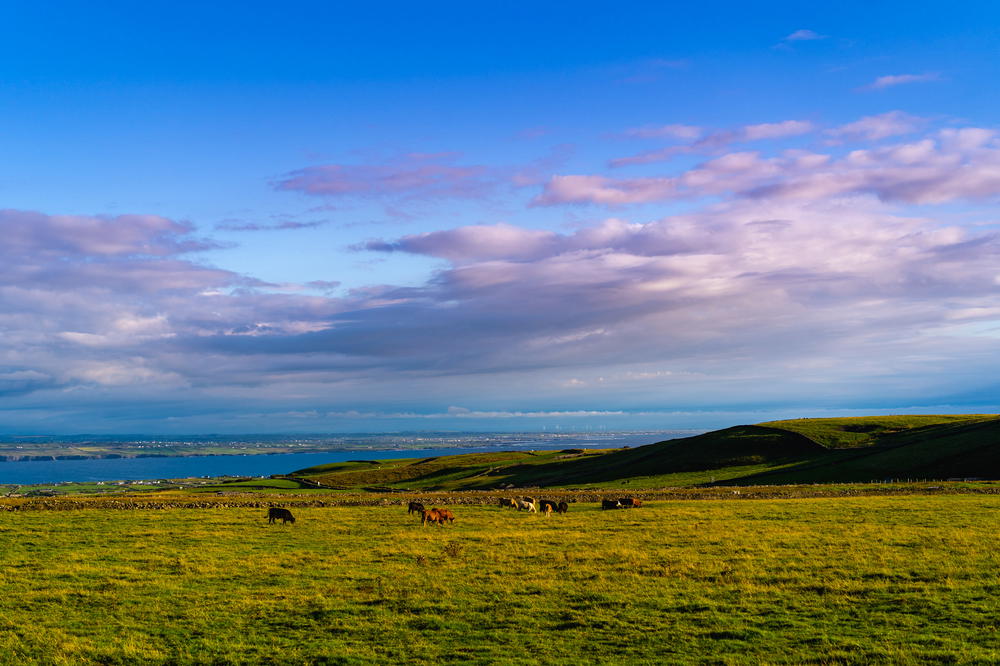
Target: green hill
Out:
[795,451]
[956,447]
[863,431]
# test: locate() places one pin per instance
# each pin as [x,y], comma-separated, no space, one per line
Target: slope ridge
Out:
[795,451]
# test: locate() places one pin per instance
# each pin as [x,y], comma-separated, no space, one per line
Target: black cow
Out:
[415,507]
[276,513]
[610,504]
[562,508]
[546,506]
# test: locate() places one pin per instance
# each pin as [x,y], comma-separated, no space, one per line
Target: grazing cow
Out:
[446,515]
[530,499]
[507,502]
[630,503]
[562,507]
[415,507]
[527,506]
[284,515]
[610,504]
[431,516]
[547,506]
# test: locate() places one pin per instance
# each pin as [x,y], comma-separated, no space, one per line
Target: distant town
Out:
[80,447]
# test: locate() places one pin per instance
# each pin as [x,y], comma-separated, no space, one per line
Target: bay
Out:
[134,469]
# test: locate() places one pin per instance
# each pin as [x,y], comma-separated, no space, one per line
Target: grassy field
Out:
[852,580]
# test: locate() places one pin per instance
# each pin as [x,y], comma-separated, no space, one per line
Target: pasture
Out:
[910,579]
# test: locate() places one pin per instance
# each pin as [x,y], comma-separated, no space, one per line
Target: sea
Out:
[182,467]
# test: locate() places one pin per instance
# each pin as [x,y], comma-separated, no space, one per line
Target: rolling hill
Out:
[777,452]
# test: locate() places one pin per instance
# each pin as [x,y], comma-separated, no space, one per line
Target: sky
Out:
[328,217]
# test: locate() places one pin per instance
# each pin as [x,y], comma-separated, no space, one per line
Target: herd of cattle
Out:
[529,504]
[442,516]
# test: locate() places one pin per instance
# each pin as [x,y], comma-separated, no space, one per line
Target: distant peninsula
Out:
[83,447]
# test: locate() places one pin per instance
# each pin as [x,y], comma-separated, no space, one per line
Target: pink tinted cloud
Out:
[475,243]
[254,226]
[27,232]
[417,176]
[749,279]
[780,130]
[954,165]
[675,131]
[714,141]
[873,128]
[605,191]
[800,267]
[949,165]
[102,301]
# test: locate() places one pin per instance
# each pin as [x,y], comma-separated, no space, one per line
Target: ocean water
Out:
[134,469]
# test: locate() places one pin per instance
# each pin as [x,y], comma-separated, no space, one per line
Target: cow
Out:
[275,513]
[415,507]
[547,506]
[507,502]
[530,499]
[527,506]
[562,507]
[610,504]
[446,515]
[630,503]
[431,516]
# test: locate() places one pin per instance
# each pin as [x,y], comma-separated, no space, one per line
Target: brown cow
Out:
[630,503]
[562,507]
[431,516]
[415,507]
[446,515]
[276,513]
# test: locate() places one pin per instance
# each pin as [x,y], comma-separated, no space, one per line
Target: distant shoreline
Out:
[95,449]
[199,454]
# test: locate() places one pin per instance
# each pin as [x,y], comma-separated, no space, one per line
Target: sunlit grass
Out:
[889,580]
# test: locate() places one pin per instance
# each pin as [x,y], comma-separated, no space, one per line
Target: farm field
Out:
[908,579]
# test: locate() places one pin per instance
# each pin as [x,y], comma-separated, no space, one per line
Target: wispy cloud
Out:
[711,142]
[233,225]
[414,176]
[889,81]
[674,131]
[873,128]
[803,35]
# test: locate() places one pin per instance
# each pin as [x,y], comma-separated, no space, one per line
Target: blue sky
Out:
[311,217]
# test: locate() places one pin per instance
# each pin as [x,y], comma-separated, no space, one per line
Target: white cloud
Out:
[804,36]
[873,128]
[891,80]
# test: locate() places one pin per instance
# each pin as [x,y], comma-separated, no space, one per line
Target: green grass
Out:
[865,580]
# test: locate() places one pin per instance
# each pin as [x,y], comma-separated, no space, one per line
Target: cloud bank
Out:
[827,269]
[952,164]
